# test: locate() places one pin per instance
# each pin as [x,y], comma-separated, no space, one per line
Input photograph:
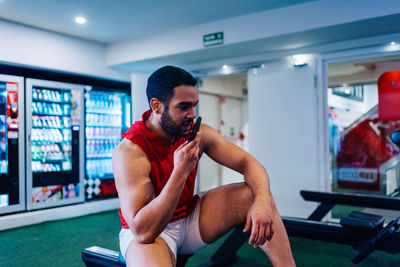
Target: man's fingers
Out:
[197,151]
[254,234]
[195,142]
[261,235]
[182,145]
[248,224]
[271,231]
[197,137]
[191,144]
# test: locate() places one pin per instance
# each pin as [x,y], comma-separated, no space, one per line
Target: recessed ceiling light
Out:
[301,60]
[225,67]
[80,20]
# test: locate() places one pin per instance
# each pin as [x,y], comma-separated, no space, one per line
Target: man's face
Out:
[179,113]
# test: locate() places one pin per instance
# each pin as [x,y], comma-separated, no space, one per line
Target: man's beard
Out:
[172,127]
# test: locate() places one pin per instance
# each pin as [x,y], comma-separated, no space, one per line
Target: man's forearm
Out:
[151,220]
[257,178]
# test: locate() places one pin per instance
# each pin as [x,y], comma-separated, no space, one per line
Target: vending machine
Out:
[12,162]
[54,150]
[107,116]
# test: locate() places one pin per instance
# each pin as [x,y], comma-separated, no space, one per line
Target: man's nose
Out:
[192,113]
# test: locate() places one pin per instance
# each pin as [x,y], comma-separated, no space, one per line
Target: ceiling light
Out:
[225,67]
[300,60]
[392,46]
[80,20]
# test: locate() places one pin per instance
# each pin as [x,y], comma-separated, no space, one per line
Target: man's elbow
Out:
[145,237]
[246,163]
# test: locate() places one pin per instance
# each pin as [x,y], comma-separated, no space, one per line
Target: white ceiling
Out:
[111,21]
[361,71]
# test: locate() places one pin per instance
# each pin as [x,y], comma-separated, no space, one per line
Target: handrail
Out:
[352,199]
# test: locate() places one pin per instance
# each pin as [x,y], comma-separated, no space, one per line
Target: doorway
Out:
[362,157]
[223,106]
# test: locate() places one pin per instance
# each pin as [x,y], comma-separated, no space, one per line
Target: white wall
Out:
[33,47]
[209,172]
[283,131]
[139,98]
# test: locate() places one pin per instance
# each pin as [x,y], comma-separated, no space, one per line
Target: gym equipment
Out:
[97,256]
[363,231]
[101,257]
[389,95]
[366,160]
[396,137]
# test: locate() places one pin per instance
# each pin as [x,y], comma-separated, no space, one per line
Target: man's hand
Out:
[187,155]
[259,219]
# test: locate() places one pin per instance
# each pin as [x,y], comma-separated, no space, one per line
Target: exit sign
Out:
[211,39]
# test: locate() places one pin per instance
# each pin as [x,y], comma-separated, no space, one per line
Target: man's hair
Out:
[162,82]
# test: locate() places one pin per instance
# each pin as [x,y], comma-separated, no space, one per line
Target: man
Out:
[155,168]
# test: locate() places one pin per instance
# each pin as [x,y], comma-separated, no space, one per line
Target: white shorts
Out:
[182,236]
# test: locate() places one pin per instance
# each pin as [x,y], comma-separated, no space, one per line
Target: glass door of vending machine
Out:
[107,116]
[12,160]
[54,141]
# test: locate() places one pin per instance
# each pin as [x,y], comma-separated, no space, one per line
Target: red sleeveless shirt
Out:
[160,153]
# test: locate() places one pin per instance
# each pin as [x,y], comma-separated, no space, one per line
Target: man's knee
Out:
[247,197]
[156,253]
[244,199]
[247,194]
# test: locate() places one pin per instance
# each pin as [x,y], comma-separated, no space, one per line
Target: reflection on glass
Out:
[51,130]
[363,157]
[107,116]
[3,132]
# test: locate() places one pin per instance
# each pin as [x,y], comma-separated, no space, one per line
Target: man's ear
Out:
[156,105]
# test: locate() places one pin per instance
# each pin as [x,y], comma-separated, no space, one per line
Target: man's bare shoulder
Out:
[128,148]
[209,136]
[132,177]
[129,159]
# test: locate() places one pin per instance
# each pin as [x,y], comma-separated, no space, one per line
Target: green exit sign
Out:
[211,39]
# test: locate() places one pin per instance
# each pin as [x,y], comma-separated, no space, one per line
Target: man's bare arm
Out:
[222,151]
[146,214]
[234,157]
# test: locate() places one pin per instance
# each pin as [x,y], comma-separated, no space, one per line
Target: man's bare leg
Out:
[153,254]
[226,207]
[278,248]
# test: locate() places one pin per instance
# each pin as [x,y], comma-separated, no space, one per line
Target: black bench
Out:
[98,256]
[363,231]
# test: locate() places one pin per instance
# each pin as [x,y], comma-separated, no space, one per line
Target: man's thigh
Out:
[154,254]
[222,209]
